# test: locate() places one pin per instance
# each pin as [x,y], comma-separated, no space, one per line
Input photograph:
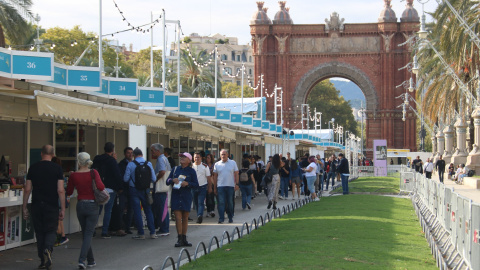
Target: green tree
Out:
[13,21]
[325,98]
[232,90]
[140,64]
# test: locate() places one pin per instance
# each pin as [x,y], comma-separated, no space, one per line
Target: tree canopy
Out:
[325,98]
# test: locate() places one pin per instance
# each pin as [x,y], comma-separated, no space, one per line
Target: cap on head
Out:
[185,154]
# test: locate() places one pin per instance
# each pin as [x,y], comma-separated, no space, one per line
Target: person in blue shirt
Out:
[183,178]
[140,196]
[295,178]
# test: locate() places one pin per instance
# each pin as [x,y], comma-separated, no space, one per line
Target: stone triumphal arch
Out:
[296,57]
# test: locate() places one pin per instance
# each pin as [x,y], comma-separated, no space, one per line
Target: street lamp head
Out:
[411,87]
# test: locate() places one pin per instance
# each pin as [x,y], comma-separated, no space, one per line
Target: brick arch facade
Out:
[335,69]
[296,57]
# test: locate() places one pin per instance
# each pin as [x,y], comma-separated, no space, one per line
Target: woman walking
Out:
[284,179]
[272,169]
[295,178]
[183,178]
[210,160]
[311,175]
[87,208]
[253,166]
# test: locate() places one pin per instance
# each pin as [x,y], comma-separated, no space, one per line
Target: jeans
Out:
[211,202]
[344,183]
[440,175]
[124,202]
[108,212]
[45,223]
[332,176]
[137,197]
[320,180]
[311,183]
[284,181]
[87,217]
[225,202]
[159,204]
[199,195]
[273,188]
[246,194]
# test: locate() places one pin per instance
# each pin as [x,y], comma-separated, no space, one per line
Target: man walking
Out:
[225,182]
[200,193]
[428,169]
[138,196]
[107,167]
[124,201]
[440,167]
[332,171]
[45,178]
[344,172]
[160,197]
[417,163]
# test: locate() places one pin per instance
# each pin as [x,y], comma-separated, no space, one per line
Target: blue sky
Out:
[205,17]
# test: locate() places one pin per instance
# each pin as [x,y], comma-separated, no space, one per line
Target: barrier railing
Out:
[227,237]
[451,222]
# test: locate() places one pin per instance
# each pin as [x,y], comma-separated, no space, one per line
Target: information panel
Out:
[207,111]
[236,118]
[380,157]
[83,78]
[223,115]
[5,63]
[32,65]
[190,107]
[151,96]
[123,88]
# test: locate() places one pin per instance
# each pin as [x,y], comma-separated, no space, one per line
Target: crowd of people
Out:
[454,173]
[134,185]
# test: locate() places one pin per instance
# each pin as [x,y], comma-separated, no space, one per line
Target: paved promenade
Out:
[125,253]
[468,192]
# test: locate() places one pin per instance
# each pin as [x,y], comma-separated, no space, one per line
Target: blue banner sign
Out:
[257,123]
[273,127]
[84,78]
[32,65]
[207,111]
[190,107]
[236,118]
[171,101]
[223,114]
[5,63]
[151,96]
[123,88]
[247,120]
[266,125]
[59,75]
[279,129]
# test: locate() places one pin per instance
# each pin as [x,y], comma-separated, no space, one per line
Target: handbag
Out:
[267,179]
[101,196]
[161,184]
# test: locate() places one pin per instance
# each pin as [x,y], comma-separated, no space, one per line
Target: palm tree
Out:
[13,20]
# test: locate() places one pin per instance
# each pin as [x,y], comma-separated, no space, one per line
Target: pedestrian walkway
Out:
[466,191]
[125,253]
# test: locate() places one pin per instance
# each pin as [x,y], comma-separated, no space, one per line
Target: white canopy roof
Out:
[324,134]
[234,104]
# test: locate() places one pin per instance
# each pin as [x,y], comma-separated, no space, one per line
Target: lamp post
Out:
[38,41]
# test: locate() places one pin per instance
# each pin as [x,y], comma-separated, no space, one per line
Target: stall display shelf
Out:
[11,201]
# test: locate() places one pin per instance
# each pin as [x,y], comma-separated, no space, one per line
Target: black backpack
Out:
[143,176]
[471,173]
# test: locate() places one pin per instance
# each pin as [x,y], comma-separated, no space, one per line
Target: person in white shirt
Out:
[428,168]
[199,194]
[225,180]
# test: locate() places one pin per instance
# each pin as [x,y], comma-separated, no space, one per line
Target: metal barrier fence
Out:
[371,171]
[227,237]
[451,222]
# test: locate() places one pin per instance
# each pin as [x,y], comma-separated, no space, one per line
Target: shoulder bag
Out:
[161,184]
[101,196]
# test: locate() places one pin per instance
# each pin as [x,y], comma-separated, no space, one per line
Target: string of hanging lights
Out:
[137,28]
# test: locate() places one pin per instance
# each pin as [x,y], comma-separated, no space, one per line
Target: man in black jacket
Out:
[107,167]
[440,167]
[344,172]
[332,170]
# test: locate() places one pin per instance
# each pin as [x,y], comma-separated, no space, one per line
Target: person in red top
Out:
[87,208]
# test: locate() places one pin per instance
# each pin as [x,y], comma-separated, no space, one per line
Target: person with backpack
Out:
[107,167]
[245,183]
[183,178]
[139,175]
[428,169]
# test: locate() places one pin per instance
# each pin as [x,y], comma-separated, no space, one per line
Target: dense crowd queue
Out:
[123,190]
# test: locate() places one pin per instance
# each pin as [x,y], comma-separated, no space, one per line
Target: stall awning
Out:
[151,120]
[62,106]
[229,134]
[119,115]
[272,140]
[204,128]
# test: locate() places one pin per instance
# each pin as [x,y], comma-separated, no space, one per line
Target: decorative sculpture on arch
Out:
[387,39]
[259,43]
[335,23]
[281,43]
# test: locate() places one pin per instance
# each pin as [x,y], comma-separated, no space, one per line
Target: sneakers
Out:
[81,265]
[293,199]
[163,234]
[274,205]
[106,236]
[280,197]
[248,206]
[91,264]
[269,204]
[230,221]
[47,258]
[120,233]
[212,214]
[199,219]
[138,237]
[153,236]
[63,241]
[317,199]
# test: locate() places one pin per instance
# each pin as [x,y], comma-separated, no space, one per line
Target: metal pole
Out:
[163,50]
[179,86]
[261,97]
[275,102]
[361,109]
[151,51]
[216,77]
[241,85]
[37,18]
[100,56]
[117,64]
